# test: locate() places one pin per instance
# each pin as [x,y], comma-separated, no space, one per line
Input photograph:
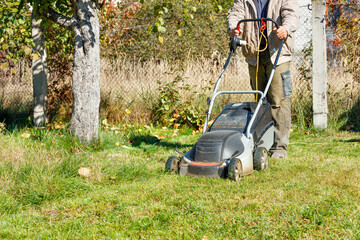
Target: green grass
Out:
[312,194]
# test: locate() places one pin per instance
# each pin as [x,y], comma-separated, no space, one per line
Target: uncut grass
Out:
[312,194]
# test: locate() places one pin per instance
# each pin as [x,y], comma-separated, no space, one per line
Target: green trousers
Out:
[278,96]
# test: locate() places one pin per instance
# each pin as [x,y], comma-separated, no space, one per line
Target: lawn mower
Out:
[238,141]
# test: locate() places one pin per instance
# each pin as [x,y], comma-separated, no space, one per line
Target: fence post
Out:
[39,73]
[320,108]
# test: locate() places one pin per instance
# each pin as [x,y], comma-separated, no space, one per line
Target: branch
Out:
[67,22]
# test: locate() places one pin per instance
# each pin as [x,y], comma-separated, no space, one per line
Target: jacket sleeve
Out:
[290,15]
[235,14]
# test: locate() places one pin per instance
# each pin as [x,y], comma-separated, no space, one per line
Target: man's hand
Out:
[235,32]
[281,32]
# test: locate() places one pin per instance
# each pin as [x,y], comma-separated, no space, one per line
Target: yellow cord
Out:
[258,50]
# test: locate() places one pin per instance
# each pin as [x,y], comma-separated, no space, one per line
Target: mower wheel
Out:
[172,164]
[261,159]
[235,171]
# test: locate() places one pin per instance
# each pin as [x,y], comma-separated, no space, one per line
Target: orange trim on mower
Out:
[204,164]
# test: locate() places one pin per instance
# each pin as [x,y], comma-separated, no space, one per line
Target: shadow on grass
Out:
[353,118]
[152,140]
[351,140]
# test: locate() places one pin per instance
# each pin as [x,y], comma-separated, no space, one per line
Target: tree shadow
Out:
[353,118]
[351,140]
[148,139]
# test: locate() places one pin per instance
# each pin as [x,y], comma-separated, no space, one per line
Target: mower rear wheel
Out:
[261,159]
[172,164]
[235,171]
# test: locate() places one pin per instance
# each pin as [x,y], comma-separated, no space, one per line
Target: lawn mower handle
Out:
[235,42]
[258,20]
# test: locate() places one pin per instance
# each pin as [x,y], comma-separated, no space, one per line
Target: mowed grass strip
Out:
[311,194]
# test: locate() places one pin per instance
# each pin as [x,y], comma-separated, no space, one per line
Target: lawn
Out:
[313,193]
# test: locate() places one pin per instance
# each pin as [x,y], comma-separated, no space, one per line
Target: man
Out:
[286,14]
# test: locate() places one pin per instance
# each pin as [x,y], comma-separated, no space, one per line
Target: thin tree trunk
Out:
[22,70]
[39,73]
[86,74]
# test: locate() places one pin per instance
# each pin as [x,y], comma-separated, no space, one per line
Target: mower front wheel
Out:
[172,164]
[235,171]
[261,159]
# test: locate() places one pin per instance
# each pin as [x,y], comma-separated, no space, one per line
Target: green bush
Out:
[171,111]
[172,30]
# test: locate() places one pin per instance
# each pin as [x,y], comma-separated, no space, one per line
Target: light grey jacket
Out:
[284,12]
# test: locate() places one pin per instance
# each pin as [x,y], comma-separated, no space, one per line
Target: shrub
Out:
[171,111]
[348,32]
[172,30]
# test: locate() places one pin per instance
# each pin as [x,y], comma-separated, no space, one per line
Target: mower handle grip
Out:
[258,20]
[236,42]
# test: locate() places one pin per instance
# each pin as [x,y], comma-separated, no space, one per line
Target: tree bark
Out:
[39,73]
[86,72]
[86,65]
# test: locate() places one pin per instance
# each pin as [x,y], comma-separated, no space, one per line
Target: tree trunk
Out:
[39,74]
[86,73]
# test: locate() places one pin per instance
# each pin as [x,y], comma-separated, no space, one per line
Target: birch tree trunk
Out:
[86,73]
[39,73]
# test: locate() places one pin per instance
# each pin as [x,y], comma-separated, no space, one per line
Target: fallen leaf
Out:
[104,122]
[179,32]
[84,172]
[25,135]
[157,138]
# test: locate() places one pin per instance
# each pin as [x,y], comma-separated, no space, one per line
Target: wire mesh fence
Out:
[128,84]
